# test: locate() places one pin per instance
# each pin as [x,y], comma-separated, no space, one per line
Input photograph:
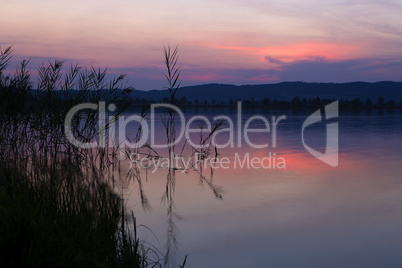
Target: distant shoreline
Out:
[295,105]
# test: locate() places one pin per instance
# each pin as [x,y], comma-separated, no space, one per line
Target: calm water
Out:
[308,214]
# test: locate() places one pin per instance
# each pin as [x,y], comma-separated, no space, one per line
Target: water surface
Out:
[308,214]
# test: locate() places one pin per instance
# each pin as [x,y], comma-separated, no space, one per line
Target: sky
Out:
[230,41]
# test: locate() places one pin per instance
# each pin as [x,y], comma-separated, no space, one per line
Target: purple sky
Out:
[238,42]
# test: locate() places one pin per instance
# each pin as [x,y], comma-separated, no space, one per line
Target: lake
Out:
[299,213]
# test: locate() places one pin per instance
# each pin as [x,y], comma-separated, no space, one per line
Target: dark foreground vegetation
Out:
[50,218]
[58,206]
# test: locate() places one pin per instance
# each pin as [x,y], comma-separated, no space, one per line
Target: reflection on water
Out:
[305,215]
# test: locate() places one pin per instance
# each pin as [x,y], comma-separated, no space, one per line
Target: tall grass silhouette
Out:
[58,207]
[59,203]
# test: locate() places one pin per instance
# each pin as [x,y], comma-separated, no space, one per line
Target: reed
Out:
[57,205]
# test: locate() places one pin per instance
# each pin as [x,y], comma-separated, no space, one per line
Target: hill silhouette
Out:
[285,91]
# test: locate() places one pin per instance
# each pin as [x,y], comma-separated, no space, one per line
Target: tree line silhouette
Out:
[295,103]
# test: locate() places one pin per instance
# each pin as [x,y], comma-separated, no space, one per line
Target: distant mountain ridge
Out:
[281,91]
